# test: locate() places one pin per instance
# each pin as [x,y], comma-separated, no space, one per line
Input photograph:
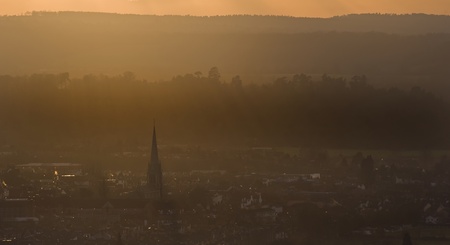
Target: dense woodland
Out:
[268,104]
[54,109]
[393,50]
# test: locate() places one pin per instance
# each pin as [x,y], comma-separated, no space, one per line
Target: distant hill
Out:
[387,23]
[390,49]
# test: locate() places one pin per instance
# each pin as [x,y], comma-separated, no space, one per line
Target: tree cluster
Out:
[193,108]
[400,51]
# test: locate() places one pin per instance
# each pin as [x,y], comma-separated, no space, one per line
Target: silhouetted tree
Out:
[301,81]
[214,74]
[198,74]
[236,81]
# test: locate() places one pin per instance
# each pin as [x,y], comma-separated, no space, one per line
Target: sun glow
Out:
[308,8]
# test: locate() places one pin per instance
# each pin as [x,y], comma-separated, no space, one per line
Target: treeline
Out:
[157,47]
[196,109]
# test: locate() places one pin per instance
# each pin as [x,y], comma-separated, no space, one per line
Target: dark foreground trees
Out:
[193,108]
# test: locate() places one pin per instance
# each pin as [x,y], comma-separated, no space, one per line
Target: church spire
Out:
[154,172]
[154,153]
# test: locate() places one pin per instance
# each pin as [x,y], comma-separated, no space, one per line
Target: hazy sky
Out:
[310,8]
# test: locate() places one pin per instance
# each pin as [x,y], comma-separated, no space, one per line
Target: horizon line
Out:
[31,13]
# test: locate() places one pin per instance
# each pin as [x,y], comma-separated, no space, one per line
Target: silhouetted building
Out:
[154,173]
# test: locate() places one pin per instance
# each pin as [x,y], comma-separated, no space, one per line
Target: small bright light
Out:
[68,175]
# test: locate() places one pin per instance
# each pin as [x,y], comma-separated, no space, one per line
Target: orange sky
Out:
[309,8]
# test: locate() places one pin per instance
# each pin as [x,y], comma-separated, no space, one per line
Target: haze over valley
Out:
[391,50]
[234,129]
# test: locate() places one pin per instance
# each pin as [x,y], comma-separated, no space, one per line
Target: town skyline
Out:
[272,130]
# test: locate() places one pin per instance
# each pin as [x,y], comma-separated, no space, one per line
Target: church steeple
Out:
[154,172]
[154,154]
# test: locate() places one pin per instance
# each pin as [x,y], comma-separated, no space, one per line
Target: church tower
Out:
[154,172]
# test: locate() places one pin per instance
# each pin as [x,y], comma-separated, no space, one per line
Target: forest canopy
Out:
[200,108]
